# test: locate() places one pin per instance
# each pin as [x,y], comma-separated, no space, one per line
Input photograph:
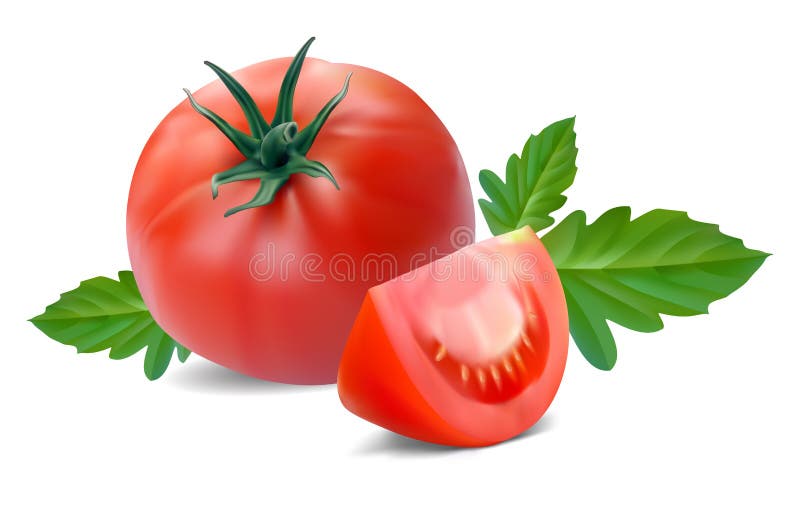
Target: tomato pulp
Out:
[467,351]
[272,290]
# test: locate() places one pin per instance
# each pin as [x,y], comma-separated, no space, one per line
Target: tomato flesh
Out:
[457,354]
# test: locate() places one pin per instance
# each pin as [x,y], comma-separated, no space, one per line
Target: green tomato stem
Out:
[273,151]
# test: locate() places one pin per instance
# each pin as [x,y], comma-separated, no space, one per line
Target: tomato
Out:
[270,287]
[467,351]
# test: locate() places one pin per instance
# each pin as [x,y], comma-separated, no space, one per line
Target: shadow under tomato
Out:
[199,375]
[388,443]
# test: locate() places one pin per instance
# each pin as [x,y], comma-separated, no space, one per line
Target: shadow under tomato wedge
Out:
[466,351]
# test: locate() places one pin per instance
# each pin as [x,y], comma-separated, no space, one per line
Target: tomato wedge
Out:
[466,351]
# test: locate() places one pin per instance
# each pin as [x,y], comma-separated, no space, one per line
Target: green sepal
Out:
[258,125]
[300,164]
[283,110]
[248,169]
[306,137]
[270,184]
[244,143]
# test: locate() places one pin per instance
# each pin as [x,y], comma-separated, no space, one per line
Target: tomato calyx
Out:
[273,151]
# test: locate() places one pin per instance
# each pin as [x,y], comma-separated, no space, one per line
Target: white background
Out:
[690,106]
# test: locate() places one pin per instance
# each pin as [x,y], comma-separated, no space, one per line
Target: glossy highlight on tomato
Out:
[467,351]
[223,272]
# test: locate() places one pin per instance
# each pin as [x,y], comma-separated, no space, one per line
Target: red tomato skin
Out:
[385,378]
[374,385]
[205,277]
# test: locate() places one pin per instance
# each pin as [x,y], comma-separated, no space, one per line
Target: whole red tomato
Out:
[266,274]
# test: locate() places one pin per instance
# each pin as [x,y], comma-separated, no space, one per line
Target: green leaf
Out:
[106,314]
[630,272]
[534,183]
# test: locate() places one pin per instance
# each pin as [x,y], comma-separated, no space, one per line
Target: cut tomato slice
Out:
[466,351]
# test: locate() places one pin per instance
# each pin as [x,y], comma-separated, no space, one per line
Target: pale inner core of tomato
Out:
[466,303]
[482,328]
